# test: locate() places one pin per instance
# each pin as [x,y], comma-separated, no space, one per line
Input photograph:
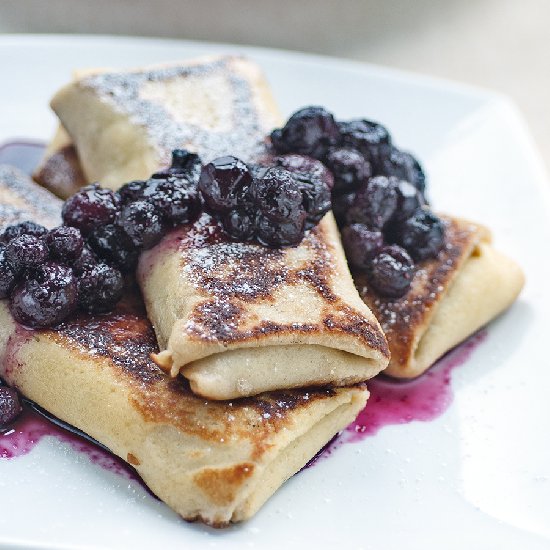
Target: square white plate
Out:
[476,477]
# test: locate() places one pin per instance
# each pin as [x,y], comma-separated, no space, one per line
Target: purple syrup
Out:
[23,154]
[400,402]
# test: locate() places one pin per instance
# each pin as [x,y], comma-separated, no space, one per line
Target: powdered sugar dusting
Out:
[245,132]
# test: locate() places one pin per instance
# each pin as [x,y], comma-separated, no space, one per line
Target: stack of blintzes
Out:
[242,360]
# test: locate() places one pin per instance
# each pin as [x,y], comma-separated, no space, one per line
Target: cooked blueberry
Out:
[239,224]
[8,275]
[361,244]
[26,252]
[176,199]
[223,181]
[277,194]
[187,163]
[111,243]
[99,288]
[409,200]
[85,261]
[422,235]
[370,138]
[91,207]
[46,299]
[276,234]
[403,166]
[375,203]
[349,167]
[141,223]
[340,206]
[317,200]
[391,271]
[65,244]
[309,131]
[307,166]
[24,228]
[10,406]
[131,191]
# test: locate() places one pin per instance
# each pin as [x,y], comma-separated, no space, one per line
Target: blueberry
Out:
[141,223]
[175,198]
[239,224]
[277,194]
[99,288]
[422,235]
[186,163]
[409,200]
[370,138]
[349,167]
[309,131]
[223,182]
[26,252]
[375,203]
[276,234]
[10,407]
[47,298]
[24,228]
[308,166]
[111,243]
[341,205]
[391,272]
[403,166]
[91,207]
[85,261]
[131,191]
[361,244]
[8,275]
[65,244]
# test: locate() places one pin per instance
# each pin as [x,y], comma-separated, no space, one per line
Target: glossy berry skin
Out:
[277,234]
[111,243]
[65,244]
[409,200]
[8,275]
[10,407]
[86,260]
[141,223]
[100,288]
[24,228]
[368,137]
[175,198]
[277,194]
[46,299]
[187,163]
[403,166]
[423,235]
[391,272]
[26,252]
[349,167]
[223,182]
[239,224]
[302,166]
[361,244]
[309,131]
[375,203]
[90,208]
[131,191]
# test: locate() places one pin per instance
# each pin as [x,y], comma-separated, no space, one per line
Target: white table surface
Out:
[499,44]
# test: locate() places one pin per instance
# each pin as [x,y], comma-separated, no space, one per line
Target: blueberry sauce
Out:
[397,402]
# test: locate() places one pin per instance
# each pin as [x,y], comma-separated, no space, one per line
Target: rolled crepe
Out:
[451,297]
[236,319]
[209,461]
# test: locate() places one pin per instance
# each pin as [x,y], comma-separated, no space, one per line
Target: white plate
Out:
[476,477]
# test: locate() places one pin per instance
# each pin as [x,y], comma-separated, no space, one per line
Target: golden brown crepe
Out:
[238,319]
[451,297]
[210,461]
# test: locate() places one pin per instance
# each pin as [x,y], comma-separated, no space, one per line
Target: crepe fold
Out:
[216,462]
[236,319]
[451,297]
